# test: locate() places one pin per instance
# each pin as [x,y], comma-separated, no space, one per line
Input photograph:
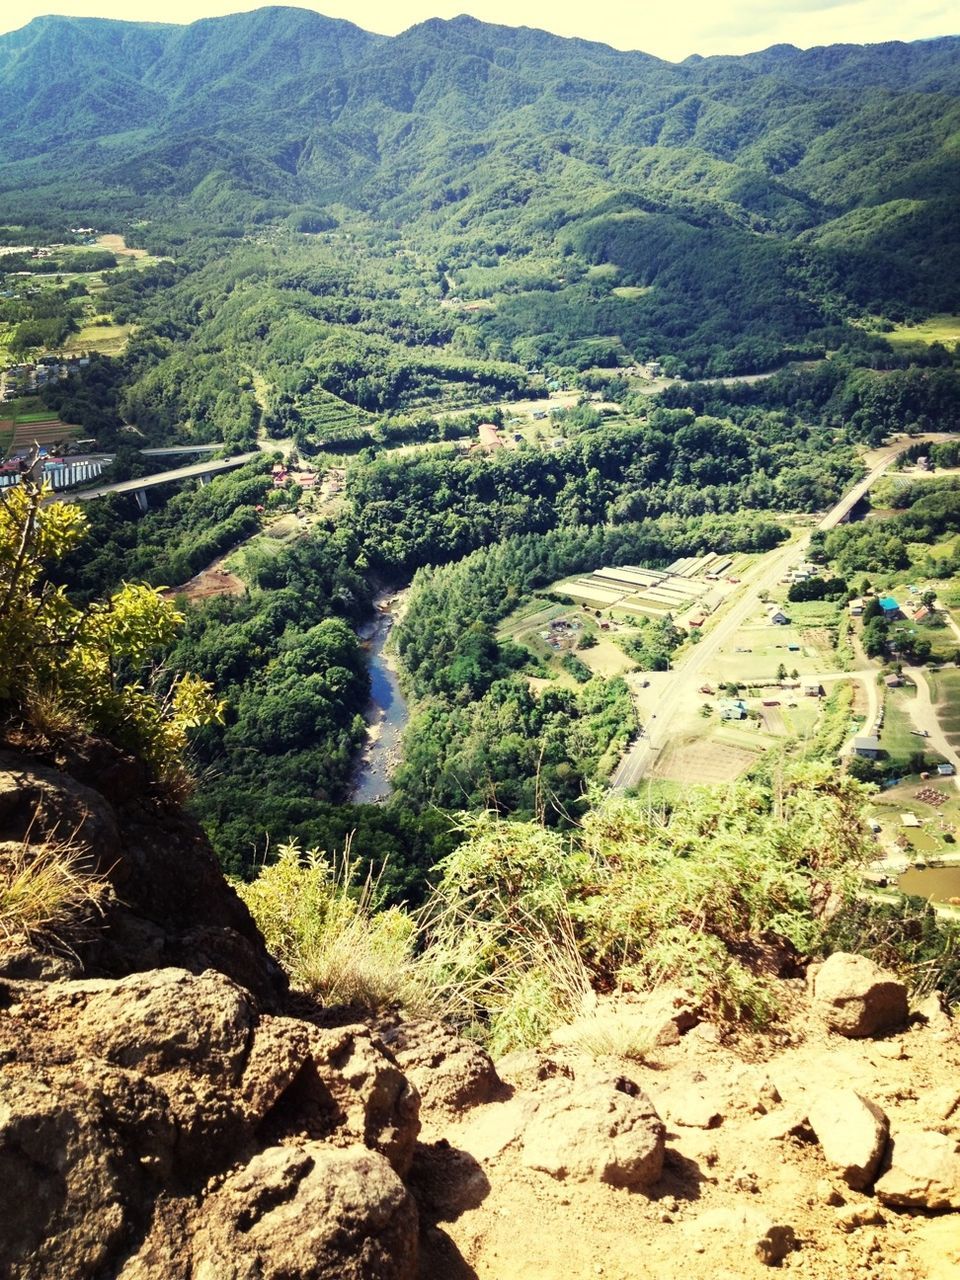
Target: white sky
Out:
[669,28]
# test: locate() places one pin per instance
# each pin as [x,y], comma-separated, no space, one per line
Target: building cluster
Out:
[29,378]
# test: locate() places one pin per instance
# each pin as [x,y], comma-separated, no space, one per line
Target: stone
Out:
[827,1193]
[922,1171]
[449,1072]
[857,998]
[375,1102]
[604,1131]
[693,1109]
[313,1212]
[138,1022]
[852,1132]
[770,1241]
[850,1217]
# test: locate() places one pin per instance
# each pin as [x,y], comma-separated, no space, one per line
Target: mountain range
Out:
[831,175]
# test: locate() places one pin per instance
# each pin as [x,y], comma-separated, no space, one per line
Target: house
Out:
[812,689]
[490,439]
[866,746]
[697,621]
[920,614]
[889,606]
[856,607]
[776,616]
[733,709]
[946,770]
[895,681]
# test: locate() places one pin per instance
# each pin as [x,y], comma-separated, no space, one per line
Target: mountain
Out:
[811,181]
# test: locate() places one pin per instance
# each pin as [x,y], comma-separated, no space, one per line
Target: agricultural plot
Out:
[706,759]
[40,428]
[945,690]
[551,631]
[103,339]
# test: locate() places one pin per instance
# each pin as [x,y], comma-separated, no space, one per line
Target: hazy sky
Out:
[669,28]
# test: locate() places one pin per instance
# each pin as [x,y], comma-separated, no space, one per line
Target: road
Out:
[163,477]
[764,576]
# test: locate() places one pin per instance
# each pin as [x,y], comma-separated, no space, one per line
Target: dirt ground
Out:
[522,1224]
[117,244]
[215,580]
[702,761]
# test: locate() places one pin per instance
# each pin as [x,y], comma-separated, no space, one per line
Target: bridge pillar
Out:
[142,501]
[205,479]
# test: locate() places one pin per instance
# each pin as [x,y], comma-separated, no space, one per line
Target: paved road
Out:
[169,451]
[682,684]
[163,477]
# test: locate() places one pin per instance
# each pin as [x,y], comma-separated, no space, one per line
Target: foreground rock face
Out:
[171,905]
[312,1212]
[119,1095]
[857,998]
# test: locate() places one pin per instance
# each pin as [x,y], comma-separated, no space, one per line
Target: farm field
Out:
[717,755]
[28,424]
[945,690]
[527,625]
[104,339]
[940,328]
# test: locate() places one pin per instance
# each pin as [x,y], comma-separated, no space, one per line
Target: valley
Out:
[479,622]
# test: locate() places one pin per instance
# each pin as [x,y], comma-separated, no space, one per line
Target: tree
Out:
[781,673]
[86,669]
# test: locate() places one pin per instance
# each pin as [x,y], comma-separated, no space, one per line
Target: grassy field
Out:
[945,690]
[105,339]
[940,328]
[524,627]
[896,737]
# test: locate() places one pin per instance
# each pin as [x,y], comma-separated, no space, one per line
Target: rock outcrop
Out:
[857,998]
[170,904]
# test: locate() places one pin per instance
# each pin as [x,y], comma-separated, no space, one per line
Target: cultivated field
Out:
[708,759]
[104,339]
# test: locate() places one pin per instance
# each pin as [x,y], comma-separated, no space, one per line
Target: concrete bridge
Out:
[203,471]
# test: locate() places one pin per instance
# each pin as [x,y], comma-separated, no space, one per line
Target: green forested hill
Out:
[762,202]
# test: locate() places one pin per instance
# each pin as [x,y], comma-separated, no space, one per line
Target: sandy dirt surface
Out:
[215,580]
[521,1224]
[117,244]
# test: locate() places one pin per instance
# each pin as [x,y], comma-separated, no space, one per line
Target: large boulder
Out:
[602,1130]
[857,998]
[309,1212]
[922,1171]
[852,1132]
[170,905]
[449,1072]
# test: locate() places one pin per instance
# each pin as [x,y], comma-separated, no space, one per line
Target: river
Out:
[386,713]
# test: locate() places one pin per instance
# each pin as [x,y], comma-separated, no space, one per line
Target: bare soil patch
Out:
[215,580]
[702,761]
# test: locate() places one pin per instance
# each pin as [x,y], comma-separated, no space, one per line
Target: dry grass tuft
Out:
[48,892]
